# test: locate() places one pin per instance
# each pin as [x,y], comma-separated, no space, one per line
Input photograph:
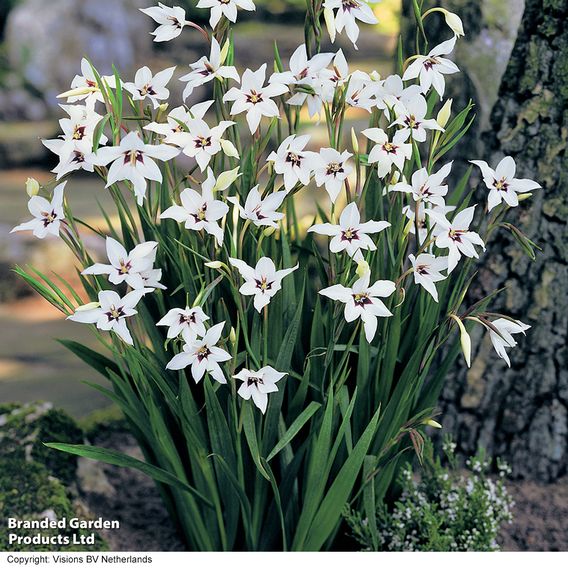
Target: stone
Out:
[46,40]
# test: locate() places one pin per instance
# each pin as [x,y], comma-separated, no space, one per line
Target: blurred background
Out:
[514,60]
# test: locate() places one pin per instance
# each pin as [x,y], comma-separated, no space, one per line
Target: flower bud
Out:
[523,196]
[215,264]
[225,179]
[79,91]
[224,52]
[432,423]
[229,148]
[269,231]
[86,307]
[465,340]
[330,23]
[454,22]
[354,141]
[363,268]
[445,113]
[232,335]
[375,76]
[32,187]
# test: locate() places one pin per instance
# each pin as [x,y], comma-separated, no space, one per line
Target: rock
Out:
[46,40]
[92,478]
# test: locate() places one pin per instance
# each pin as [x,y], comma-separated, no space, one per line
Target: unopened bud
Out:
[445,113]
[79,91]
[465,339]
[523,196]
[363,268]
[269,231]
[32,187]
[89,306]
[229,149]
[454,22]
[232,335]
[354,141]
[330,23]
[432,423]
[214,264]
[225,179]
[375,76]
[224,52]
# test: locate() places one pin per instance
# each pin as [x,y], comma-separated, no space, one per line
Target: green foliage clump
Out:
[442,511]
[23,429]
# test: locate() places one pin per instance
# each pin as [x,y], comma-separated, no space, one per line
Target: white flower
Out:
[422,225]
[152,278]
[504,338]
[47,214]
[386,153]
[200,211]
[262,212]
[361,91]
[427,188]
[331,170]
[132,160]
[227,8]
[188,322]
[393,93]
[426,269]
[348,11]
[254,98]
[178,119]
[85,86]
[258,384]
[206,69]
[111,312]
[350,235]
[304,72]
[262,281]
[363,301]
[81,123]
[431,68]
[73,155]
[203,355]
[502,182]
[455,235]
[412,118]
[151,86]
[292,161]
[126,266]
[171,21]
[201,142]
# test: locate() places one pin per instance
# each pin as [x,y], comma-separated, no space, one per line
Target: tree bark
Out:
[521,413]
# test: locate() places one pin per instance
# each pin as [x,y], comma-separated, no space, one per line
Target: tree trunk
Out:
[521,414]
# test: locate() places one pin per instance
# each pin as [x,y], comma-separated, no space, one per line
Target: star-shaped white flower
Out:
[110,312]
[262,281]
[188,322]
[126,266]
[393,93]
[254,98]
[150,86]
[203,355]
[363,301]
[350,235]
[178,119]
[504,339]
[200,211]
[73,155]
[227,8]
[81,122]
[431,68]
[171,21]
[85,86]
[361,91]
[331,170]
[426,269]
[262,212]
[502,182]
[427,188]
[292,161]
[412,118]
[133,160]
[48,215]
[422,224]
[258,385]
[206,69]
[348,12]
[455,235]
[201,142]
[386,153]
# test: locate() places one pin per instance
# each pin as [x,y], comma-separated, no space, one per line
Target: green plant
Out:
[443,510]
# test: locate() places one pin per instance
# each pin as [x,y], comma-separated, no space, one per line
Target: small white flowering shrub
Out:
[443,510]
[272,363]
